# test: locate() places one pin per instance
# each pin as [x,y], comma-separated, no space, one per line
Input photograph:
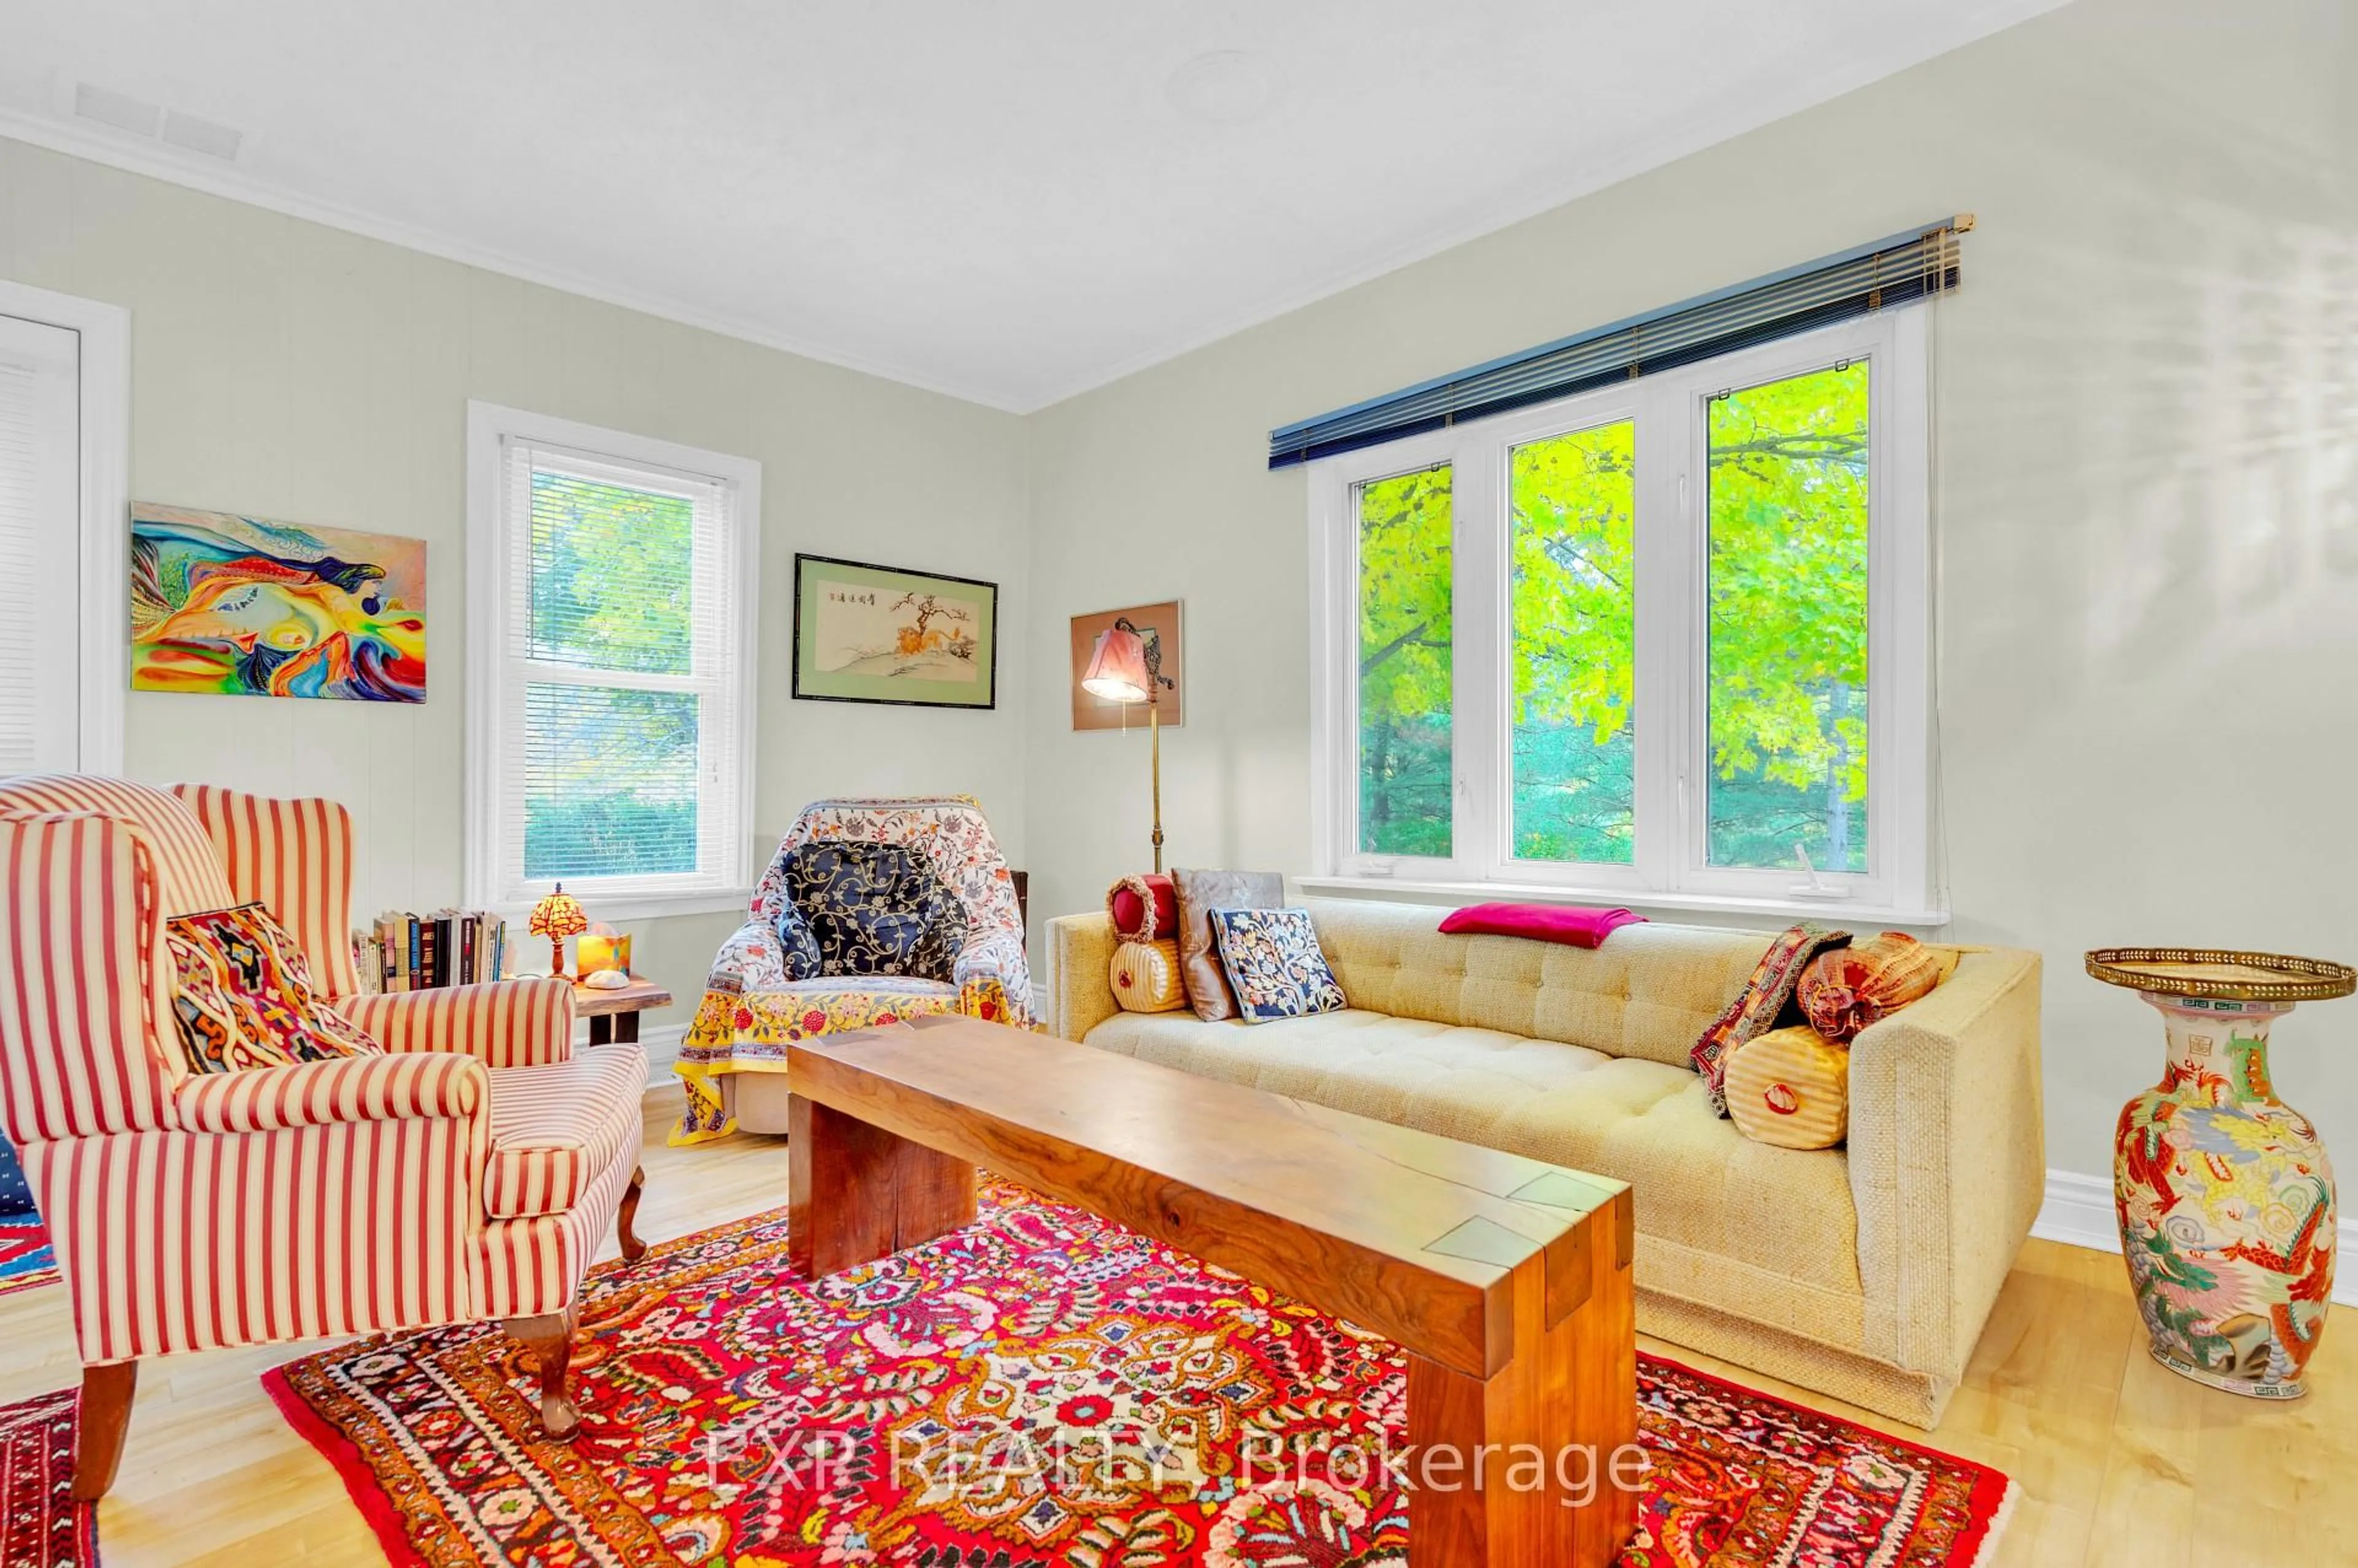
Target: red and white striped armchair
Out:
[467,1174]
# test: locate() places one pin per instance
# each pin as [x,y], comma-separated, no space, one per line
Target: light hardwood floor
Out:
[2120,1462]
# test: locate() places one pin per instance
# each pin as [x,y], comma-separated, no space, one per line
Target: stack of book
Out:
[408,952]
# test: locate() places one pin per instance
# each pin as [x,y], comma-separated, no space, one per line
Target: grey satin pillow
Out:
[1200,893]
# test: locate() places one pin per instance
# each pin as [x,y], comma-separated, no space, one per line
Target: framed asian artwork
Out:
[248,607]
[1159,624]
[872,634]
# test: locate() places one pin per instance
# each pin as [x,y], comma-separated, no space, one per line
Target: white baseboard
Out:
[2079,1212]
[661,1046]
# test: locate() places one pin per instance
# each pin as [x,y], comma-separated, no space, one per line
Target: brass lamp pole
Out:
[1126,666]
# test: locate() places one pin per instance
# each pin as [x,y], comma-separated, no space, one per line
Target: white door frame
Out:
[104,482]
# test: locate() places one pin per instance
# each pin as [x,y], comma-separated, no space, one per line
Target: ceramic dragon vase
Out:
[2225,1195]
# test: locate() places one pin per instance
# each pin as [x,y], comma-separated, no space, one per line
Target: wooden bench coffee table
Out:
[1506,1279]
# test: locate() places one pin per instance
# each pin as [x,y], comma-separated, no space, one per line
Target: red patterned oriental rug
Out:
[40,1524]
[1040,1388]
[26,1259]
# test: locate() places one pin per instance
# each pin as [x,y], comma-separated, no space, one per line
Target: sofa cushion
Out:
[1273,964]
[1856,986]
[1200,893]
[1145,976]
[1766,1002]
[1790,1087]
[557,1128]
[1144,907]
[1771,1233]
[1648,992]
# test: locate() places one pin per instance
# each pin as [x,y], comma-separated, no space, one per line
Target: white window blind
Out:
[614,749]
[39,540]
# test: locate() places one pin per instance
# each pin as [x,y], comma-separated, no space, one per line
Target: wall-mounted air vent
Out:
[119,110]
[174,127]
[209,138]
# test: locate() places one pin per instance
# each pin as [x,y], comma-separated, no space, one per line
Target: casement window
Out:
[610,667]
[1666,641]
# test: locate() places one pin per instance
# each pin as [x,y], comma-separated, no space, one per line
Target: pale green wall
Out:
[287,370]
[2149,422]
[2149,448]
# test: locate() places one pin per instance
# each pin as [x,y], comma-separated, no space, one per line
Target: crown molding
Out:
[1800,93]
[1788,95]
[155,164]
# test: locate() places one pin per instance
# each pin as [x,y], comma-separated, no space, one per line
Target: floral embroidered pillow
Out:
[244,996]
[798,942]
[875,909]
[1272,960]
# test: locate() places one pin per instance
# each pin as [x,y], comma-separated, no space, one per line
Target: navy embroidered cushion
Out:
[1273,960]
[875,909]
[799,942]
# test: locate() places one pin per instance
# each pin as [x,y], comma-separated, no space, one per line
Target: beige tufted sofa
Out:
[1863,1273]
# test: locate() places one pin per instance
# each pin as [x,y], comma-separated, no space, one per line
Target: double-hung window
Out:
[609,591]
[1665,641]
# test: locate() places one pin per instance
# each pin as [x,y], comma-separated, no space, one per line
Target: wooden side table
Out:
[614,1015]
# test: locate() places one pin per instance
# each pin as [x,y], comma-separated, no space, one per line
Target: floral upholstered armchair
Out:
[873,910]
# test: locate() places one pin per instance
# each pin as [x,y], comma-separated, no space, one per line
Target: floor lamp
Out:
[1126,666]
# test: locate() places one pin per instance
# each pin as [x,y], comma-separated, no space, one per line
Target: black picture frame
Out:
[810,684]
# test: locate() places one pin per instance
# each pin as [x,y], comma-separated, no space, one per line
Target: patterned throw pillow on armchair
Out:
[875,909]
[800,944]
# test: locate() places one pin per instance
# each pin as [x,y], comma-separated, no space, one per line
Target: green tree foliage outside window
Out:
[611,770]
[1789,568]
[1787,684]
[1572,595]
[610,782]
[1405,664]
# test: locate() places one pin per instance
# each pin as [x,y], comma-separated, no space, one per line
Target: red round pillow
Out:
[1132,899]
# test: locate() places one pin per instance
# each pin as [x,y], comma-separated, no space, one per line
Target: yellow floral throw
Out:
[754,1010]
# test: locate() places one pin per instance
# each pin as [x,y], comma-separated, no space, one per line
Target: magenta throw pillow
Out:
[1569,924]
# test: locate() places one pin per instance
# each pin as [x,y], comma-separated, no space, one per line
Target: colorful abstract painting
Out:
[247,607]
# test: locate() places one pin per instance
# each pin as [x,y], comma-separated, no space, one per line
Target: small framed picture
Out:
[872,634]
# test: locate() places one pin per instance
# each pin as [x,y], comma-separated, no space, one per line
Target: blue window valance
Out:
[1916,265]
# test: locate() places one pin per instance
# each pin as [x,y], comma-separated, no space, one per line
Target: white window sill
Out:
[1415,892]
[605,911]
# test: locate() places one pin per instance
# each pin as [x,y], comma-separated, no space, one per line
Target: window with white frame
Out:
[610,670]
[1667,639]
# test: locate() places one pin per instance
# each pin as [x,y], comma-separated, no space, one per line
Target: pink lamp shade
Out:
[1117,669]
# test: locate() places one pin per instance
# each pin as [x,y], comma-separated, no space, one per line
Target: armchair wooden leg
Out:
[106,1415]
[549,1337]
[626,1218]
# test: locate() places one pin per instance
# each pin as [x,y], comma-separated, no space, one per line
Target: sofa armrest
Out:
[391,1088]
[526,1022]
[1082,947]
[1948,1158]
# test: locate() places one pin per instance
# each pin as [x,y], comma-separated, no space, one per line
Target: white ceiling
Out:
[1011,201]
